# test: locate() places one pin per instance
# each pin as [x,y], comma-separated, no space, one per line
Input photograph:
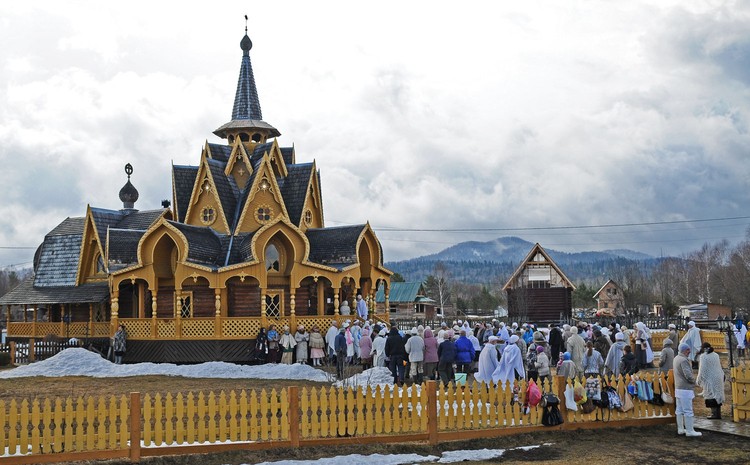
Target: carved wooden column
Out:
[114,312]
[263,317]
[62,320]
[387,309]
[292,311]
[25,307]
[321,298]
[178,313]
[141,299]
[154,312]
[217,317]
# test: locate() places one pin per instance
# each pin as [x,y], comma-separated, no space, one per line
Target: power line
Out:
[16,247]
[556,228]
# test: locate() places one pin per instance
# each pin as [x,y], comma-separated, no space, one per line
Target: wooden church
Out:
[538,291]
[243,245]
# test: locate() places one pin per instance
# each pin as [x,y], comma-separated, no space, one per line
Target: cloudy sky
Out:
[489,117]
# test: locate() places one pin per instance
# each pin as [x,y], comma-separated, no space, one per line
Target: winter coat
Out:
[593,363]
[542,364]
[118,344]
[340,344]
[602,344]
[317,341]
[628,364]
[447,351]
[683,373]
[301,339]
[430,347]
[394,345]
[287,342]
[415,348]
[666,360]
[365,348]
[464,350]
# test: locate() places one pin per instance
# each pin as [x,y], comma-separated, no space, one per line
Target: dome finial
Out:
[128,193]
[246,44]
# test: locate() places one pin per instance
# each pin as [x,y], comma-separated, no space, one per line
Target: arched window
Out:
[273,258]
[100,264]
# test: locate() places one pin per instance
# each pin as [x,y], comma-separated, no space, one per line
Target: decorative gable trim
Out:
[537,249]
[238,150]
[89,227]
[204,176]
[264,172]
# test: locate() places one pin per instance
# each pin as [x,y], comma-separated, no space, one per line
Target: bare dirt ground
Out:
[650,445]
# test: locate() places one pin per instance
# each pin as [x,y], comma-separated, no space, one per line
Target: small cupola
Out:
[128,193]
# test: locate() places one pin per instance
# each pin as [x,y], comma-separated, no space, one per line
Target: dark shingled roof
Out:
[184,180]
[104,219]
[288,154]
[204,244]
[123,247]
[336,247]
[258,152]
[58,260]
[244,253]
[69,226]
[226,188]
[293,190]
[27,293]
[220,152]
[139,219]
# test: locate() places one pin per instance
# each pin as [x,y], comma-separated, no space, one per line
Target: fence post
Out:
[294,415]
[12,351]
[562,382]
[135,426]
[432,418]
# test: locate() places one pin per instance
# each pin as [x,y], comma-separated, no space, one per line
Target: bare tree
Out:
[438,285]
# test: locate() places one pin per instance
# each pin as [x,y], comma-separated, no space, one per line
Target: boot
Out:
[689,431]
[715,413]
[680,424]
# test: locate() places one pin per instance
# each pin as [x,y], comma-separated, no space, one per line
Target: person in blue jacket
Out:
[446,357]
[464,352]
[340,347]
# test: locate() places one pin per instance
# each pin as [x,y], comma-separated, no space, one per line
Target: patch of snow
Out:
[81,362]
[376,376]
[380,459]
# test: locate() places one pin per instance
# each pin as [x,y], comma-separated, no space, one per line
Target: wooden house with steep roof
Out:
[538,291]
[610,299]
[244,245]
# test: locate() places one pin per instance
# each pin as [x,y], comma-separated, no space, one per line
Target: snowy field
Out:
[81,362]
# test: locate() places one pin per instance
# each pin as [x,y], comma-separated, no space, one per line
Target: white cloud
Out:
[419,114]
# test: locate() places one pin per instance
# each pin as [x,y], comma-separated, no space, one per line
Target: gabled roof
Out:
[68,226]
[407,292]
[537,249]
[226,189]
[204,244]
[605,285]
[28,293]
[184,180]
[220,152]
[123,247]
[335,247]
[294,189]
[288,154]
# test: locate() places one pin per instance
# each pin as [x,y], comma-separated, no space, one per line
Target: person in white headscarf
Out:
[612,364]
[693,339]
[511,364]
[643,351]
[488,361]
[503,333]
[576,346]
[378,349]
[711,379]
[740,333]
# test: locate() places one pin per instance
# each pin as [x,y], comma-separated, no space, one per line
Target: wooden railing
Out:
[46,430]
[173,328]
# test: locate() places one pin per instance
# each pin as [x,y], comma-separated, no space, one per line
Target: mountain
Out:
[476,262]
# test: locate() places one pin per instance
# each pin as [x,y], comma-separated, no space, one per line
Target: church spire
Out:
[247,119]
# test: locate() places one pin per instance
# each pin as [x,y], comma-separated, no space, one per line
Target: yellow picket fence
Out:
[102,428]
[715,338]
[741,393]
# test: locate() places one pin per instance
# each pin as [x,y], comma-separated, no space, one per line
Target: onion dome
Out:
[128,193]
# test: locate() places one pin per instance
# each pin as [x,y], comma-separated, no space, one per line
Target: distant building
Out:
[610,298]
[538,291]
[407,301]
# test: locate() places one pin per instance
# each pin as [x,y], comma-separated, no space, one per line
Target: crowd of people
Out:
[498,353]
